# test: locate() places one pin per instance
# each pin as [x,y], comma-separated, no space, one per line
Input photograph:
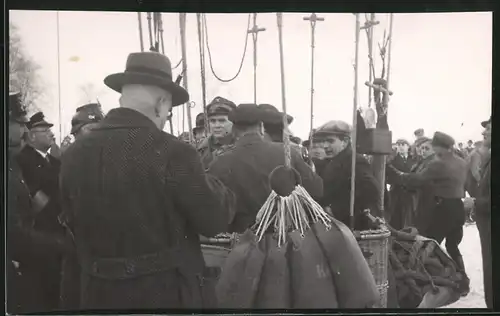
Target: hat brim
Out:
[118,80]
[244,116]
[41,124]
[275,117]
[320,134]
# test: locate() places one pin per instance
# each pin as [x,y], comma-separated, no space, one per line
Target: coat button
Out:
[129,268]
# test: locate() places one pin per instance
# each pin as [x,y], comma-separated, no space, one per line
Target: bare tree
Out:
[23,72]
[90,93]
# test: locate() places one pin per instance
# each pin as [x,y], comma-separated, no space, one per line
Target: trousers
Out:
[447,223]
[483,223]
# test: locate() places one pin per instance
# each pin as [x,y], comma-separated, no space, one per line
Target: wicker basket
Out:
[376,244]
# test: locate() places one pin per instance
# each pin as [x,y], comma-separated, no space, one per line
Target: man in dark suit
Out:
[447,174]
[335,169]
[401,205]
[41,172]
[137,199]
[481,202]
[245,168]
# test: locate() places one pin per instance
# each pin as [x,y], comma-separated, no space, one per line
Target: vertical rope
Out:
[141,39]
[254,36]
[182,28]
[386,100]
[286,136]
[312,19]
[202,67]
[150,30]
[59,80]
[354,125]
[370,57]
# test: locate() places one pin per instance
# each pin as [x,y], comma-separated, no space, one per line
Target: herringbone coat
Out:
[132,190]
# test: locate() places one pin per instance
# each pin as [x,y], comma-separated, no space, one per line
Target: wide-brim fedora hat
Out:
[148,68]
[273,116]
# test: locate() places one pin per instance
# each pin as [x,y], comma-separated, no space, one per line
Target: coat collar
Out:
[249,139]
[125,118]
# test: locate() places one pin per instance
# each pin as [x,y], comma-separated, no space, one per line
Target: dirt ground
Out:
[471,252]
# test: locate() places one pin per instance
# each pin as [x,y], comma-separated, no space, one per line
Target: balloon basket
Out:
[375,244]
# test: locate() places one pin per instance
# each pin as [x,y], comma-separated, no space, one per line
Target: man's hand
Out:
[318,153]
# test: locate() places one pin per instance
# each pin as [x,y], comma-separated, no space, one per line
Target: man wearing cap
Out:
[446,173]
[274,129]
[41,172]
[138,198]
[335,169]
[199,129]
[220,137]
[245,169]
[86,117]
[481,202]
[400,211]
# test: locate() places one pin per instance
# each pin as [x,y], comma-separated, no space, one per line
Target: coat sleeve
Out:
[204,200]
[483,199]
[310,180]
[432,171]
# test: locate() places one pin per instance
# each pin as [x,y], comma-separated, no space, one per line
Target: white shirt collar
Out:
[44,155]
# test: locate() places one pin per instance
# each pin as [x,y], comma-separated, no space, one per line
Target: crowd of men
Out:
[113,220]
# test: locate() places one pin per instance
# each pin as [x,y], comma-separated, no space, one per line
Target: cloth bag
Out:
[312,283]
[241,272]
[274,287]
[356,287]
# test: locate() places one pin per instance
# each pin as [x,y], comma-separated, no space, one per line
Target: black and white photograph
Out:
[248,161]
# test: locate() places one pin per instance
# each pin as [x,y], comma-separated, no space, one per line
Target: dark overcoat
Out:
[137,199]
[336,174]
[212,147]
[43,175]
[245,169]
[400,209]
[423,200]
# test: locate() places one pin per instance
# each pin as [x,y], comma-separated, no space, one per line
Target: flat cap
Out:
[484,123]
[86,114]
[443,140]
[17,113]
[220,106]
[246,113]
[337,128]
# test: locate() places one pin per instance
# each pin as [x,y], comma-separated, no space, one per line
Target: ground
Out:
[471,251]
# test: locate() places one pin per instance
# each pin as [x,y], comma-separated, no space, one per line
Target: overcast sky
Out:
[440,68]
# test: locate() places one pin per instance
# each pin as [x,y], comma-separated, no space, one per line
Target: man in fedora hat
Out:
[447,174]
[335,169]
[138,198]
[245,169]
[220,138]
[41,173]
[481,202]
[400,210]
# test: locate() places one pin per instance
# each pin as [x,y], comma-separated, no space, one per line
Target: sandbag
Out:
[311,277]
[240,276]
[356,287]
[274,287]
